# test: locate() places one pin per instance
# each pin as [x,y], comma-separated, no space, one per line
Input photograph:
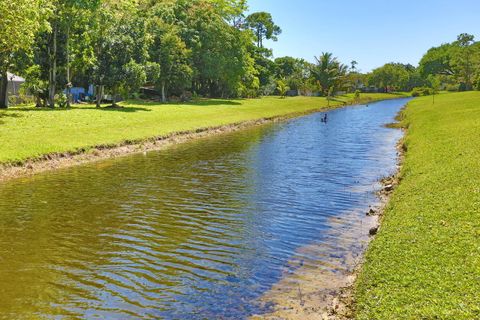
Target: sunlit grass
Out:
[425,261]
[26,132]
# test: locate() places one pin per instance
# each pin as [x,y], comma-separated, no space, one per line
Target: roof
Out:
[14,78]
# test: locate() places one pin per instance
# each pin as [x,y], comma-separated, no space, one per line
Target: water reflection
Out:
[197,231]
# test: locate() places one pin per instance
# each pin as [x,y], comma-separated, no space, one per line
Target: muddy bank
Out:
[326,292]
[91,154]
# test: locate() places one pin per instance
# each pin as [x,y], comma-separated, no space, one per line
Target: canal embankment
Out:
[424,262]
[38,140]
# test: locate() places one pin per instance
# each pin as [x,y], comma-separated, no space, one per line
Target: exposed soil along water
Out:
[201,230]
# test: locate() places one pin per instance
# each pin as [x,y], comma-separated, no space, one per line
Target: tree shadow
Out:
[5,114]
[8,114]
[121,108]
[199,102]
[214,102]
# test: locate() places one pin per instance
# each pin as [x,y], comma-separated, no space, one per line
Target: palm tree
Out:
[329,73]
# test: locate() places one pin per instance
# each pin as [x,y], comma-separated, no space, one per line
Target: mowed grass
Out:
[425,261]
[29,133]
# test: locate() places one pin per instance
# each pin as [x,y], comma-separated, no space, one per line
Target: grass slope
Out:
[28,133]
[425,261]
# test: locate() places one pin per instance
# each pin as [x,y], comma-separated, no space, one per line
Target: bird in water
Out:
[324,118]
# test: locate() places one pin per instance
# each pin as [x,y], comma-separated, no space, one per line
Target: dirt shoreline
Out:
[317,294]
[53,161]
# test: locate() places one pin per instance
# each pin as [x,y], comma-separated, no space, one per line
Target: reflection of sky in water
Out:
[197,231]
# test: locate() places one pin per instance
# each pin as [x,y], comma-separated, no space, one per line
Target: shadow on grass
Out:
[214,102]
[5,114]
[121,108]
[127,109]
[200,102]
[8,114]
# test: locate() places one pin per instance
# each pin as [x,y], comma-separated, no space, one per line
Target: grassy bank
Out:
[425,261]
[28,133]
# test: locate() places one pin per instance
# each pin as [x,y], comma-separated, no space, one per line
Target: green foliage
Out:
[262,25]
[396,77]
[135,77]
[282,88]
[424,262]
[357,94]
[21,20]
[35,86]
[422,91]
[296,72]
[458,61]
[329,73]
[62,99]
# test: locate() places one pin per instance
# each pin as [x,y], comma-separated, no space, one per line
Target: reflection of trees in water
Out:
[123,233]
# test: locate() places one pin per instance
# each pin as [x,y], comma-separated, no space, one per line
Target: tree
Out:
[20,21]
[262,25]
[170,53]
[353,66]
[329,73]
[120,41]
[435,85]
[221,56]
[296,72]
[282,88]
[457,62]
[392,76]
[463,60]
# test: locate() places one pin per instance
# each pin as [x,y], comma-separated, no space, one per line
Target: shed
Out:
[14,83]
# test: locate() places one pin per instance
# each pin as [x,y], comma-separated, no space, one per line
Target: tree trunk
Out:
[99,95]
[114,99]
[164,97]
[3,90]
[53,69]
[69,85]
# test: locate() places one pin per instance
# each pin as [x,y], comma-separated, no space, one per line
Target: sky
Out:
[371,32]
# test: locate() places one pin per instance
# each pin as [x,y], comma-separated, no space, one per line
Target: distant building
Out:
[14,84]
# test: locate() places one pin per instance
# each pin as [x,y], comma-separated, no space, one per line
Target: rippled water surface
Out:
[198,231]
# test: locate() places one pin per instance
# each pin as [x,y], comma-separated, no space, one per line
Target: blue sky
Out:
[372,32]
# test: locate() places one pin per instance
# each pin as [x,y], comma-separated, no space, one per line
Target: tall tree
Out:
[329,73]
[262,25]
[120,46]
[464,59]
[168,51]
[20,21]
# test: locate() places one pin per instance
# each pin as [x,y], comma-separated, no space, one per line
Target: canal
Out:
[200,230]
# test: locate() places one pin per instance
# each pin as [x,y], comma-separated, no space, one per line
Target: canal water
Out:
[198,231]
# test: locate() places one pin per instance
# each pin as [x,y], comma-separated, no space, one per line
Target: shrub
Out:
[462,87]
[422,91]
[452,87]
[357,95]
[62,100]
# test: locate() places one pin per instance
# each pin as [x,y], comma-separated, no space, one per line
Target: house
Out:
[14,84]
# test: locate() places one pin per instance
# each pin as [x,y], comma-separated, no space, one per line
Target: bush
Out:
[21,99]
[357,95]
[61,100]
[422,91]
[452,87]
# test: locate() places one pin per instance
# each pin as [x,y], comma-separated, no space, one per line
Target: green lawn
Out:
[27,133]
[425,261]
